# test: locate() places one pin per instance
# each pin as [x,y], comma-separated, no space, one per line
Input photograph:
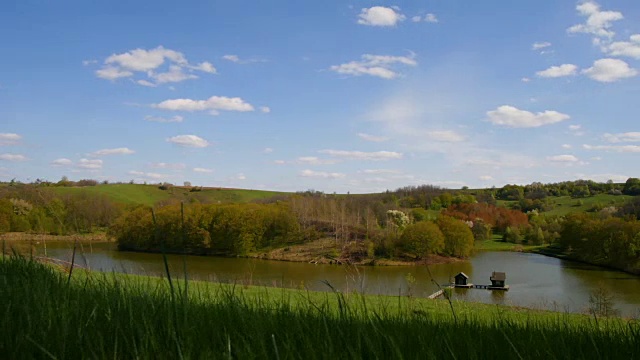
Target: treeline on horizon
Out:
[410,222]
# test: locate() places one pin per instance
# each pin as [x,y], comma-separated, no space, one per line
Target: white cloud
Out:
[614,148]
[267,150]
[375,65]
[279,162]
[575,127]
[175,74]
[623,137]
[205,67]
[525,79]
[148,175]
[312,160]
[172,166]
[62,162]
[265,109]
[610,70]
[321,174]
[89,62]
[510,116]
[558,71]
[189,141]
[116,151]
[213,104]
[625,48]
[430,18]
[380,171]
[202,170]
[372,138]
[239,176]
[232,58]
[563,158]
[380,16]
[361,155]
[87,164]
[112,73]
[9,138]
[236,59]
[540,45]
[598,22]
[148,62]
[566,146]
[160,119]
[13,157]
[485,177]
[445,136]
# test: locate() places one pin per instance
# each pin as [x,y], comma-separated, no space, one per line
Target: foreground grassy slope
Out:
[151,194]
[116,316]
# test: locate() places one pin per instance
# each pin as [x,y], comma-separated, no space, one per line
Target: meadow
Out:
[50,314]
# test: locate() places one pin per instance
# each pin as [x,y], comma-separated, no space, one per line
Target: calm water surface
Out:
[536,281]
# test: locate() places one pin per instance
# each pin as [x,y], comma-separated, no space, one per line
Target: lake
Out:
[535,281]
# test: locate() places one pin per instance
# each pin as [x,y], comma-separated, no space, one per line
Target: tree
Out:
[631,187]
[422,238]
[458,238]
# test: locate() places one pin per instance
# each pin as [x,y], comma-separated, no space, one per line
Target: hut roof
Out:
[498,276]
[462,274]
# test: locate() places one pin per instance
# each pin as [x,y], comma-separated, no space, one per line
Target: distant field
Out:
[151,194]
[566,204]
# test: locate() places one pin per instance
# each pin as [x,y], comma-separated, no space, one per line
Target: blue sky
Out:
[337,96]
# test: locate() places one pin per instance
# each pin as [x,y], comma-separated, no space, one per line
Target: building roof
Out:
[463,274]
[498,276]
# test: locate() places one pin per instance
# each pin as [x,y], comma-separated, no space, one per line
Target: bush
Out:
[422,239]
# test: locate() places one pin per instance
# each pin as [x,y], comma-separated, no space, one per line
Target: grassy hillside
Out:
[122,317]
[566,205]
[151,194]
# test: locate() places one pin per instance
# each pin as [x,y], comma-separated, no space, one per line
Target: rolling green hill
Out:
[151,194]
[564,205]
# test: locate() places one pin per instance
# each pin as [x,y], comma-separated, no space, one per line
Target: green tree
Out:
[458,238]
[631,187]
[422,239]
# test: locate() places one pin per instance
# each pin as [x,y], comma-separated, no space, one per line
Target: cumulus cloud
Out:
[372,138]
[148,175]
[239,176]
[279,162]
[87,164]
[598,22]
[614,148]
[321,174]
[623,137]
[566,146]
[9,138]
[558,71]
[202,170]
[362,155]
[380,16]
[160,119]
[62,162]
[610,70]
[629,48]
[13,157]
[540,45]
[148,62]
[510,116]
[382,66]
[267,150]
[116,151]
[486,177]
[213,104]
[430,18]
[525,79]
[563,158]
[265,109]
[189,141]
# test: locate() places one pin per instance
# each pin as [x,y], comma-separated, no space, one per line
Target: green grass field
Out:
[151,194]
[97,315]
[496,244]
[567,205]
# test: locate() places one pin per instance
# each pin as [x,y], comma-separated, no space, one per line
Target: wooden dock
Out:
[440,292]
